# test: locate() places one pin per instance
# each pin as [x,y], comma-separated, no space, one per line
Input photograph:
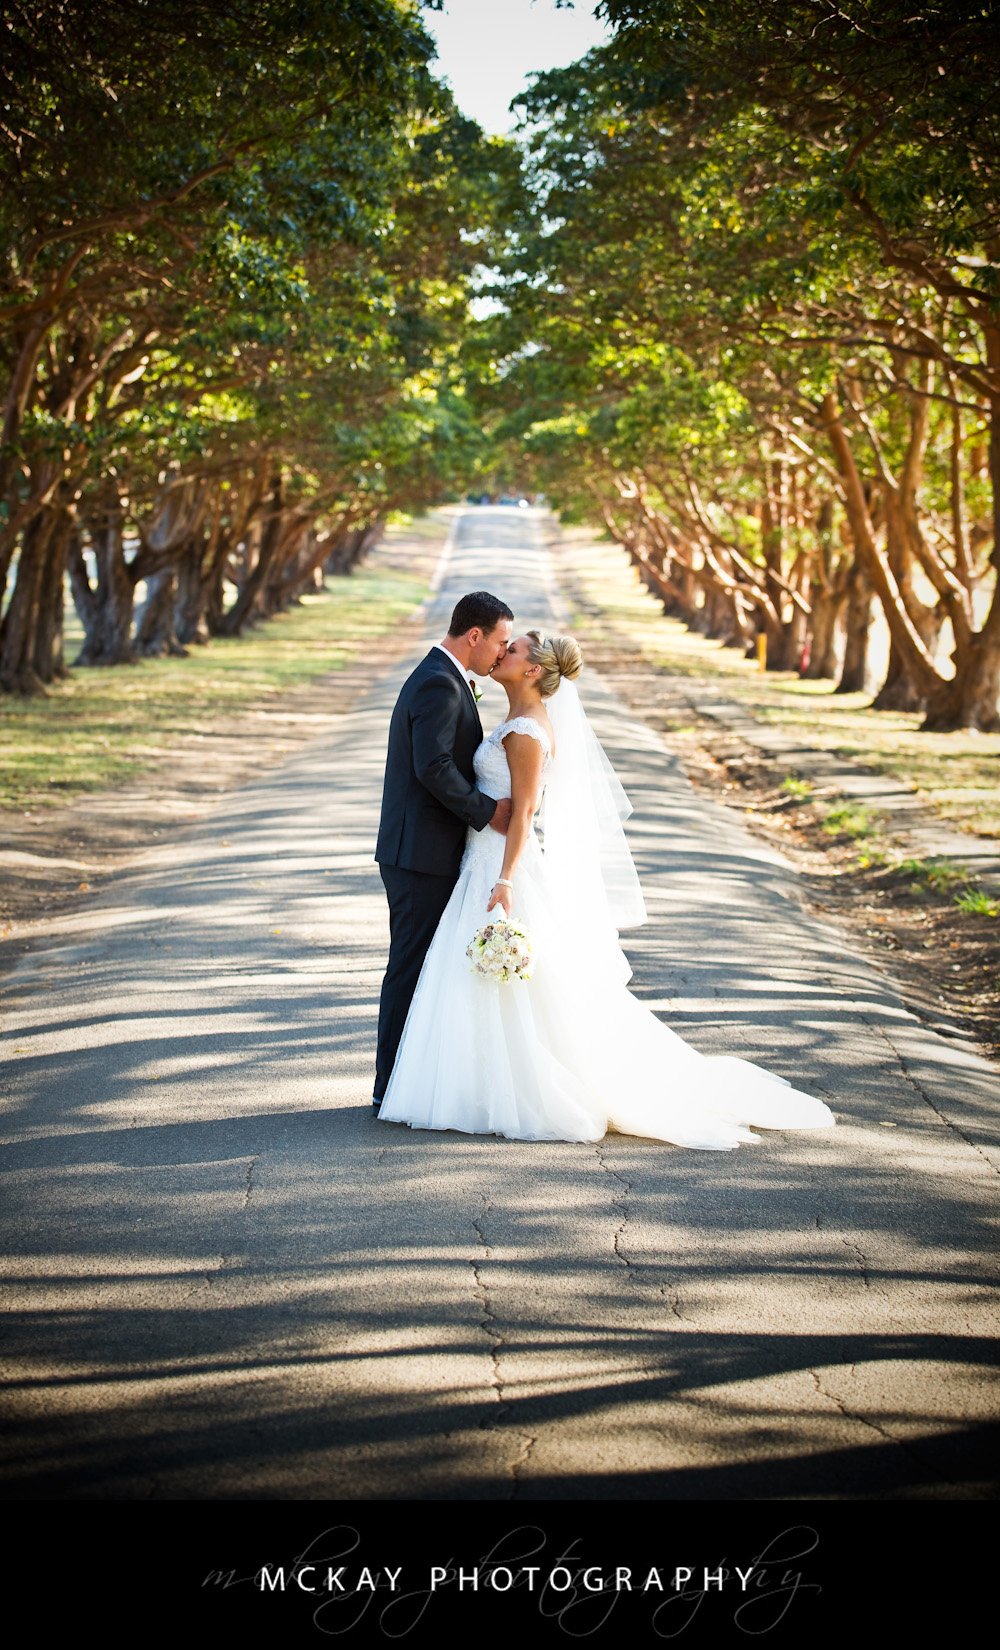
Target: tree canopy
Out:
[743,264]
[238,243]
[750,319]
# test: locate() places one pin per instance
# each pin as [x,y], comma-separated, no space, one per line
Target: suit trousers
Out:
[416,902]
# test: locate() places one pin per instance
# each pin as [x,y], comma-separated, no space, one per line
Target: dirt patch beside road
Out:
[899,908]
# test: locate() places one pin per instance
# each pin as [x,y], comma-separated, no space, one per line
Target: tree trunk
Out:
[689,593]
[854,671]
[333,554]
[827,595]
[107,617]
[23,359]
[901,627]
[289,569]
[774,628]
[782,653]
[970,700]
[214,586]
[349,549]
[720,616]
[904,688]
[743,625]
[155,626]
[50,661]
[322,554]
[899,691]
[370,537]
[827,606]
[192,596]
[19,633]
[256,576]
[700,620]
[796,635]
[656,551]
[668,594]
[669,591]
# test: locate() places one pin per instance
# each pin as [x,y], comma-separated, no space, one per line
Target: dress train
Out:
[570,1053]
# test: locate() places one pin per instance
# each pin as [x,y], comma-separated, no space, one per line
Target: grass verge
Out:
[955,774]
[103,726]
[851,820]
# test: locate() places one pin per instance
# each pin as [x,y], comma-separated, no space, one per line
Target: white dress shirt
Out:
[466,678]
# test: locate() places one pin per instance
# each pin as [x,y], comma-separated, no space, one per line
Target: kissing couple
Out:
[568,1053]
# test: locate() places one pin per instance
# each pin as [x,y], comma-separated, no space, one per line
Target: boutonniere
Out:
[477,693]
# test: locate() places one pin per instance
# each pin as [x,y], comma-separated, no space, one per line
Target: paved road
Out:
[231,1282]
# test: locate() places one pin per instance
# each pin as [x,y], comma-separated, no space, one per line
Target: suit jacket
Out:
[429,797]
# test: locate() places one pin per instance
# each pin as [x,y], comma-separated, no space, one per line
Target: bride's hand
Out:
[501,895]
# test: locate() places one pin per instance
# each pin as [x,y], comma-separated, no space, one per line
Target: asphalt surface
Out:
[229,1281]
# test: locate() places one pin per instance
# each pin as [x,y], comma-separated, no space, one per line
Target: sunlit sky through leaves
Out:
[488,48]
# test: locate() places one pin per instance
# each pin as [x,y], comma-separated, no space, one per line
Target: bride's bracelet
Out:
[503,882]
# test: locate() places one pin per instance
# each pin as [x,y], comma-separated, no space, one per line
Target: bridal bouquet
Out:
[501,950]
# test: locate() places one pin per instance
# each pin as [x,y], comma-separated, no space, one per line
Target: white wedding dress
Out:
[569,1053]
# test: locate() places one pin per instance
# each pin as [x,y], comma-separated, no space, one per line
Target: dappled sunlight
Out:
[229,1280]
[954,772]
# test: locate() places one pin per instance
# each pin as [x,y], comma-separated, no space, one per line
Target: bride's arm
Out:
[524,758]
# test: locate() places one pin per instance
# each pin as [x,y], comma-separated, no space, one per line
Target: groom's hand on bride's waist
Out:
[501,819]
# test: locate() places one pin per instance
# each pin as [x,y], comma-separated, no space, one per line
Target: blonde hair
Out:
[558,656]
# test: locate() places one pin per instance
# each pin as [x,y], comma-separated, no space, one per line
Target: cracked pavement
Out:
[227,1280]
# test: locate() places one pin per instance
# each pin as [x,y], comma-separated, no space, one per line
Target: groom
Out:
[430,798]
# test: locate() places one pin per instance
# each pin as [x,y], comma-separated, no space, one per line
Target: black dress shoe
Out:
[375,1107]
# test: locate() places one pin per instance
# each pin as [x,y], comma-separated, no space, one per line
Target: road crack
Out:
[862,1259]
[489,1324]
[208,1278]
[518,1466]
[672,1296]
[914,1081]
[621,1201]
[883,1432]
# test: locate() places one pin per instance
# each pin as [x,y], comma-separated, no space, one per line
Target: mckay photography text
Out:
[342,1583]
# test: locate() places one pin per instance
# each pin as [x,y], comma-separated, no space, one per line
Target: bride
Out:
[570,1052]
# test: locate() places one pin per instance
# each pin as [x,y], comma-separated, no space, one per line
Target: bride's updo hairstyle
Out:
[558,656]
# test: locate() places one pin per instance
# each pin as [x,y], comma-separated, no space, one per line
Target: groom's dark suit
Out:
[428,801]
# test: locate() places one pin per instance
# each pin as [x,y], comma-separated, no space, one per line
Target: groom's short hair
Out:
[478,610]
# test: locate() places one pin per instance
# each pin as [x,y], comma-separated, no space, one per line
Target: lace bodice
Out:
[490,760]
